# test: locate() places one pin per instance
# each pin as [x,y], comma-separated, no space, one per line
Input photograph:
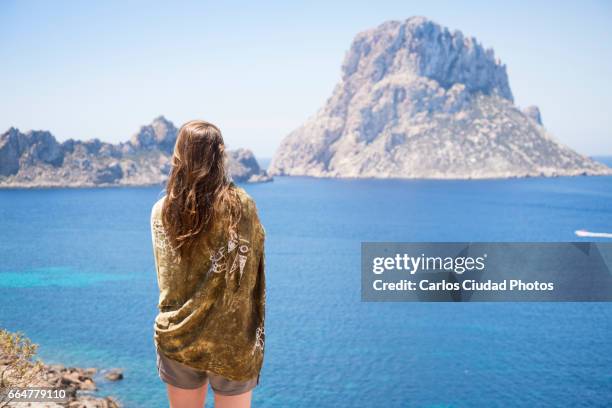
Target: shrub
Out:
[18,368]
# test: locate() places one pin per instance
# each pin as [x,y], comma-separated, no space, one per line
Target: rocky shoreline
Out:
[79,384]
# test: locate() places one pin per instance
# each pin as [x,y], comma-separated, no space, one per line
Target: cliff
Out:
[37,159]
[418,101]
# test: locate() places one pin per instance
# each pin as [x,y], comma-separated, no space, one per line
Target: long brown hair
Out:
[198,188]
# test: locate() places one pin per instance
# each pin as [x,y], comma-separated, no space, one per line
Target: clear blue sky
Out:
[258,70]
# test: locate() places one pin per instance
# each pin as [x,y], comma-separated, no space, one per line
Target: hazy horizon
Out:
[102,70]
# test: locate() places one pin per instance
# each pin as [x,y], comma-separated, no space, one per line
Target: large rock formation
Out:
[419,101]
[36,159]
[242,165]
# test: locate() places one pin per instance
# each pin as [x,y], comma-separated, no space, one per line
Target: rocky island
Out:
[419,101]
[37,159]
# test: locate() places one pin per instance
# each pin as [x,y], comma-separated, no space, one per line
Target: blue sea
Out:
[77,276]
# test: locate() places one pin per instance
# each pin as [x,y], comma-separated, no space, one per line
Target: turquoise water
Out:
[76,275]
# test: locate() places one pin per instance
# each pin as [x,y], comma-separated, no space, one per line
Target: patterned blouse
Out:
[211,312]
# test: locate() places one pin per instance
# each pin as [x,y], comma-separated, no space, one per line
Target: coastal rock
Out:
[19,368]
[533,112]
[10,152]
[160,134]
[109,174]
[244,167]
[419,101]
[93,402]
[25,149]
[41,147]
[114,374]
[36,159]
[74,381]
[90,371]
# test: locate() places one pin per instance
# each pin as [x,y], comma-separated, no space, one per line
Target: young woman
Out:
[208,245]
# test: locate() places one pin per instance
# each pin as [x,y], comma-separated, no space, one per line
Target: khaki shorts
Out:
[182,376]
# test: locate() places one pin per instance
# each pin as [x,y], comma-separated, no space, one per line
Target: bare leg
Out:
[182,398]
[234,401]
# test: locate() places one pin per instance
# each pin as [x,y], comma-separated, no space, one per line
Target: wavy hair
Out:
[198,190]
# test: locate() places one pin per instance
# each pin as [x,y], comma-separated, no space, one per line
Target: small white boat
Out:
[589,234]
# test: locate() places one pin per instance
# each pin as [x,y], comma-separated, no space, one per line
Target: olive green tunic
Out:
[211,313]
